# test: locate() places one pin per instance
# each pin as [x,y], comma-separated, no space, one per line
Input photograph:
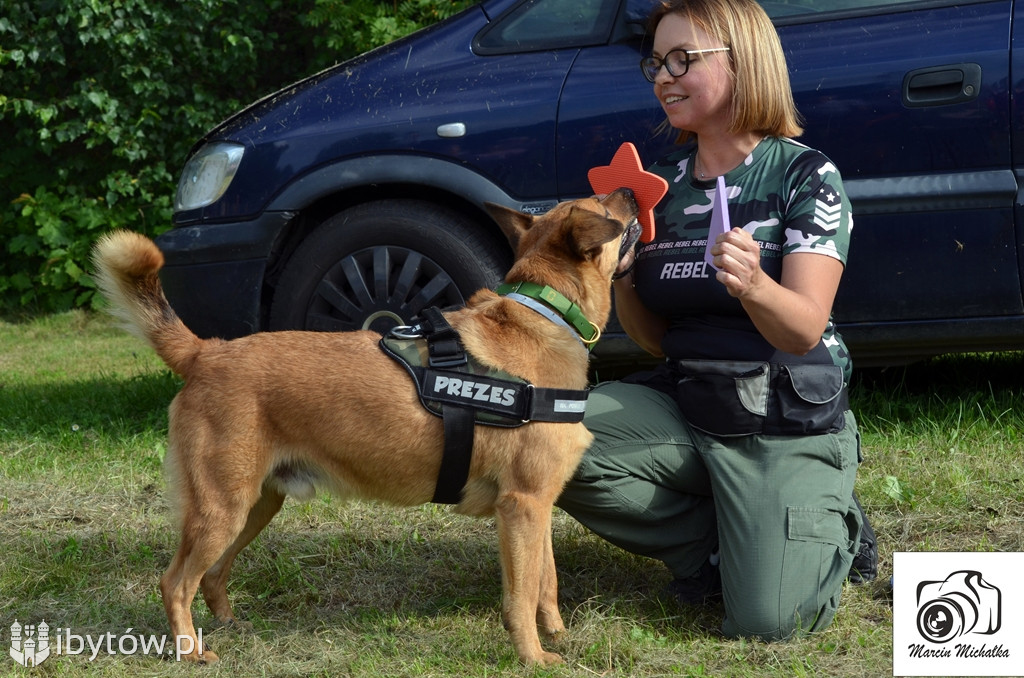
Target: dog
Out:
[285,413]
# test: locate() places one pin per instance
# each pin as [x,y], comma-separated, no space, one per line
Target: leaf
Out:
[46,114]
[73,271]
[896,490]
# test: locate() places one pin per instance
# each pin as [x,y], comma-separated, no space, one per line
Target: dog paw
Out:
[554,630]
[555,635]
[239,626]
[551,625]
[207,656]
[549,659]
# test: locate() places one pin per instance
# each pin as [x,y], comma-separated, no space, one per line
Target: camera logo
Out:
[962,603]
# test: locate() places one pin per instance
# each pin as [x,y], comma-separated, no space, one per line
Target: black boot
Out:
[701,588]
[865,562]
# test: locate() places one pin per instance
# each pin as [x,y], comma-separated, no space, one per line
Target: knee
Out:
[755,621]
[769,623]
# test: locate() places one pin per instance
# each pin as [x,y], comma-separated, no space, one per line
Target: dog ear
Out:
[513,223]
[591,231]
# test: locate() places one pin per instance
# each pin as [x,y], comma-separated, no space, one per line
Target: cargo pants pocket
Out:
[817,557]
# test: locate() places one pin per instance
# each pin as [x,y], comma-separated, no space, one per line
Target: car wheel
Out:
[378,265]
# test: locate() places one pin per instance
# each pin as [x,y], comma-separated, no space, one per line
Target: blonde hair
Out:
[762,99]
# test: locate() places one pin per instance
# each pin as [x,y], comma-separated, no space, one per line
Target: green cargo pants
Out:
[780,509]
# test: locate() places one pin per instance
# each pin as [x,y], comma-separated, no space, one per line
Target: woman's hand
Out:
[738,258]
[791,314]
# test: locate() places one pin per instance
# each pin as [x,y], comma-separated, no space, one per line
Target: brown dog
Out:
[279,413]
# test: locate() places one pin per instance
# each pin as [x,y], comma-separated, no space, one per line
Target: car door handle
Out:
[941,85]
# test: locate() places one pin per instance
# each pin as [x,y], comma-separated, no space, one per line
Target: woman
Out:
[737,456]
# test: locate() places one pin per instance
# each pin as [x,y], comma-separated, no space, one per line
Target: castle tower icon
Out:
[30,645]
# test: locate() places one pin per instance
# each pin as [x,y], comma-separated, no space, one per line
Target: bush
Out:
[100,101]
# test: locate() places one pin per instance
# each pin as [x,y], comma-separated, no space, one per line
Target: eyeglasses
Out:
[676,62]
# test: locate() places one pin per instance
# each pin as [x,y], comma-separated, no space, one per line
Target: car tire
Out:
[379,264]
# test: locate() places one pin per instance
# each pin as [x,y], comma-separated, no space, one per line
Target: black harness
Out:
[464,393]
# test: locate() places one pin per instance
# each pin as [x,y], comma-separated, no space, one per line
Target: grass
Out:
[355,589]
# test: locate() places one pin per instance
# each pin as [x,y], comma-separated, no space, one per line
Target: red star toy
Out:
[627,172]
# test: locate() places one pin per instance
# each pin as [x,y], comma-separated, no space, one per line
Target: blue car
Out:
[354,198]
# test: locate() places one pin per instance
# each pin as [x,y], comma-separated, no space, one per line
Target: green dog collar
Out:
[588,331]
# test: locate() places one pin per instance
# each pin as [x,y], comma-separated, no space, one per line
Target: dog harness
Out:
[453,385]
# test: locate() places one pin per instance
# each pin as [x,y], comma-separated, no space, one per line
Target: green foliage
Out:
[100,101]
[356,26]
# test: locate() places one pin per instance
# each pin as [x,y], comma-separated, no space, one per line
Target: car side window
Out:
[535,25]
[781,9]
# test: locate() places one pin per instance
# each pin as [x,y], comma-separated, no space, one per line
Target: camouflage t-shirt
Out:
[790,198]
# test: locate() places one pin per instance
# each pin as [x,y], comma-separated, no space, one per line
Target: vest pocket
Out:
[735,398]
[809,399]
[724,397]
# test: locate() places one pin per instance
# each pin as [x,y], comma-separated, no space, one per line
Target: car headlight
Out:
[207,175]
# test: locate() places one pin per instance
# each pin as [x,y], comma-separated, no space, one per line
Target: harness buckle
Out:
[448,361]
[407,331]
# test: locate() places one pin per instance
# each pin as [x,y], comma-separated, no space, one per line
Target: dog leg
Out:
[208,532]
[548,617]
[214,582]
[523,526]
[177,591]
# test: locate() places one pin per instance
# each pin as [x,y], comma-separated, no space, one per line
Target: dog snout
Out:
[623,196]
[626,193]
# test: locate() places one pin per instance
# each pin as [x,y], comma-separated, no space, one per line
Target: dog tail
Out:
[126,267]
